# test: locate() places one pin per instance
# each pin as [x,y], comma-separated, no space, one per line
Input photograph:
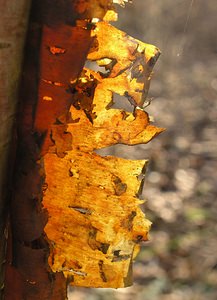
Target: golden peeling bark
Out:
[94,220]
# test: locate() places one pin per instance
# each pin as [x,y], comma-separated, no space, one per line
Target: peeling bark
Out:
[75,216]
[27,269]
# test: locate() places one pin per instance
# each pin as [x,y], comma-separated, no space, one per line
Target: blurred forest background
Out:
[180,261]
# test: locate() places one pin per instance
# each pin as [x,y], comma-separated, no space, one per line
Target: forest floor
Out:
[180,260]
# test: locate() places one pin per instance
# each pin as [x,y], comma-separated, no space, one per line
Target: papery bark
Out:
[75,216]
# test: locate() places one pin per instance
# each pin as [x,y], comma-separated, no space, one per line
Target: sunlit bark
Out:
[59,213]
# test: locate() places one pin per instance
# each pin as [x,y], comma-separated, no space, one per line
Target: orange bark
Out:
[27,270]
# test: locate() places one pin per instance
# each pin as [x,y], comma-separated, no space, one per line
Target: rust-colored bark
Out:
[28,275]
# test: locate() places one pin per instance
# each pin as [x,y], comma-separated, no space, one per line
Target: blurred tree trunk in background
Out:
[13,24]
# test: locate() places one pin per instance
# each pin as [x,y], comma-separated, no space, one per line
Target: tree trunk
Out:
[27,270]
[74,217]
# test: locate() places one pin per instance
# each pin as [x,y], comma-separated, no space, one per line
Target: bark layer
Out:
[27,269]
[66,113]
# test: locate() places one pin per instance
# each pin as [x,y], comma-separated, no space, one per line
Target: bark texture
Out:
[51,23]
[75,218]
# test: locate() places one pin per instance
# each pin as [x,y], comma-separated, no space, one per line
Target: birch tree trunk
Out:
[58,209]
[27,273]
